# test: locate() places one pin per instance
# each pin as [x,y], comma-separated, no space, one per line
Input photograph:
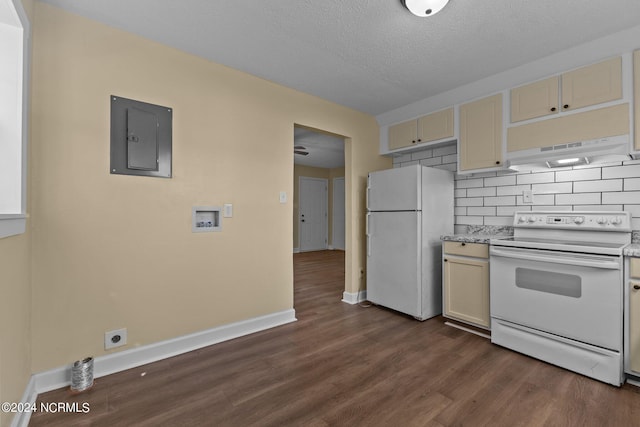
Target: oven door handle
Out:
[527,255]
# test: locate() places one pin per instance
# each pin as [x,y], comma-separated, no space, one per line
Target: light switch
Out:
[283,197]
[228,210]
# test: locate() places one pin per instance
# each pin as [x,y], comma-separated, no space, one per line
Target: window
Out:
[14,83]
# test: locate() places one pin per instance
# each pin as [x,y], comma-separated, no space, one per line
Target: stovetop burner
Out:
[576,231]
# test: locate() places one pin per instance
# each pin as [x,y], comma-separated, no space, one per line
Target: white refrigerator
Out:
[409,208]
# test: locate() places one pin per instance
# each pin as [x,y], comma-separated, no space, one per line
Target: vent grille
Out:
[561,147]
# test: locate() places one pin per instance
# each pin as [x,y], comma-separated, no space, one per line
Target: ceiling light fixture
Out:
[424,7]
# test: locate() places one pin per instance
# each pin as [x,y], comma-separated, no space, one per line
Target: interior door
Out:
[313,214]
[338,237]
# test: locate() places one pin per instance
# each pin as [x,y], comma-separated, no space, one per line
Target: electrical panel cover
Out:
[140,138]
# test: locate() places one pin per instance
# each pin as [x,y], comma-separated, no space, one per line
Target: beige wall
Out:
[112,251]
[15,323]
[311,172]
[333,173]
[15,310]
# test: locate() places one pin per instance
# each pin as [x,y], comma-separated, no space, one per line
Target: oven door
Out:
[576,296]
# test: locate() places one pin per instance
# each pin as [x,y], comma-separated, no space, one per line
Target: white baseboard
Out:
[354,298]
[104,365]
[21,419]
[296,250]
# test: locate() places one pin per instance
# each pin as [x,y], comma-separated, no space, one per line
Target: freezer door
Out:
[393,261]
[437,201]
[394,189]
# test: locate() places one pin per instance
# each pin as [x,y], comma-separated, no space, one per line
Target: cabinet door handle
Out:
[553,108]
[445,260]
[463,244]
[636,287]
[413,142]
[497,162]
[419,140]
[565,106]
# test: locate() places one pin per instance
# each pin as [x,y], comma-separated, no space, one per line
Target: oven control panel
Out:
[565,219]
[574,220]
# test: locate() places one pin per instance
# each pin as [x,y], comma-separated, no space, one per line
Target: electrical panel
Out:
[140,138]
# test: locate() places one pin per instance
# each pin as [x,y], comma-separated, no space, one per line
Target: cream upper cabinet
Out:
[466,283]
[590,124]
[481,133]
[403,134]
[586,86]
[537,99]
[591,85]
[636,97]
[436,126]
[431,127]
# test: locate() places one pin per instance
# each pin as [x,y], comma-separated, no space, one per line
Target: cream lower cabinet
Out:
[466,283]
[633,321]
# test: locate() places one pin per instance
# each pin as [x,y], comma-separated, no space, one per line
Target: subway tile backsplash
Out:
[491,198]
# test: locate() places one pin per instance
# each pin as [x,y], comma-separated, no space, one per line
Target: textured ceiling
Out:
[370,55]
[325,151]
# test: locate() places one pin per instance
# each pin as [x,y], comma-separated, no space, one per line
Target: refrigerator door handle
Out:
[368,196]
[366,224]
[367,219]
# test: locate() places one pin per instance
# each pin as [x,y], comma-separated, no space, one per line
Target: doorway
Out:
[320,180]
[319,155]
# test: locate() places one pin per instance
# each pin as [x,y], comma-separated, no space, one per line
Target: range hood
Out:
[595,151]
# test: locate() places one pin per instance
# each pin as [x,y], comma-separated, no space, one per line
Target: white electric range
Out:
[557,289]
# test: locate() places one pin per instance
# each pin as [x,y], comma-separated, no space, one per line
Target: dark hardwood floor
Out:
[344,365]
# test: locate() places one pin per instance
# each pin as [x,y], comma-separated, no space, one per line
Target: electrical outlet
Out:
[113,339]
[527,196]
